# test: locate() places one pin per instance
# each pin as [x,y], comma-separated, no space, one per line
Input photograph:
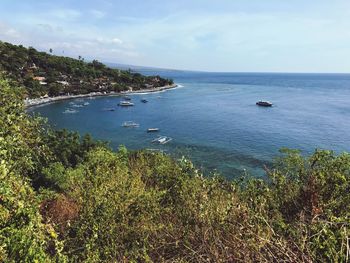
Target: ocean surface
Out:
[212,117]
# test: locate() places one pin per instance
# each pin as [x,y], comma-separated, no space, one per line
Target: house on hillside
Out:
[33,66]
[41,80]
[63,82]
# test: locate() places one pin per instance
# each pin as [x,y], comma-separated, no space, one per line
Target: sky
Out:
[206,35]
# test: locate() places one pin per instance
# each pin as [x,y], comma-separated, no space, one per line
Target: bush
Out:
[23,236]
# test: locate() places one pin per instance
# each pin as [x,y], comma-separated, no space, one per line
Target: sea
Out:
[213,118]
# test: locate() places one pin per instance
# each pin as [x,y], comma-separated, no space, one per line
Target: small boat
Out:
[264,103]
[109,109]
[130,124]
[144,100]
[126,98]
[126,103]
[162,140]
[86,103]
[70,111]
[152,129]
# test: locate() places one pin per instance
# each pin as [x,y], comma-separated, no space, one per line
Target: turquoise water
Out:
[213,118]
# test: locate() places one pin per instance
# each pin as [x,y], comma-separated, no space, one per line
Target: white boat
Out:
[130,124]
[125,103]
[70,111]
[152,129]
[86,103]
[162,140]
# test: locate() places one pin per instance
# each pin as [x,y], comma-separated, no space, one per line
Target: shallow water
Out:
[213,118]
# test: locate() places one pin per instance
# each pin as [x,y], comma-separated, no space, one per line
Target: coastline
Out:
[40,101]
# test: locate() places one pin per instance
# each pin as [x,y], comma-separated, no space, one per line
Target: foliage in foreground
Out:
[63,198]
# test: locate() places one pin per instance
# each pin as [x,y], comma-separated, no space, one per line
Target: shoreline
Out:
[41,101]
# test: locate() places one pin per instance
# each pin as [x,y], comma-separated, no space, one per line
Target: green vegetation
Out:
[45,74]
[69,199]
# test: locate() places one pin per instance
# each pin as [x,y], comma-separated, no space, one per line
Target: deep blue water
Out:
[213,118]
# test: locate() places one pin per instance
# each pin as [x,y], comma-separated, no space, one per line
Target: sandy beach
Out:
[39,101]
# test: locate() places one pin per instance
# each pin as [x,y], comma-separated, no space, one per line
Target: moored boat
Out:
[264,103]
[162,140]
[109,109]
[130,124]
[152,129]
[125,103]
[144,100]
[70,111]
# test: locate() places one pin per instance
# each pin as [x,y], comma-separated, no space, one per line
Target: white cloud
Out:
[108,41]
[8,33]
[97,14]
[117,41]
[66,14]
[125,53]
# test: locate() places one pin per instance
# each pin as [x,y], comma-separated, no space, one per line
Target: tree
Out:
[23,235]
[55,89]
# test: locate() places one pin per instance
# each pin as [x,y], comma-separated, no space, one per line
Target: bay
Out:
[213,119]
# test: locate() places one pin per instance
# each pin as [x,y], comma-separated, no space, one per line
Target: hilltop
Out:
[44,74]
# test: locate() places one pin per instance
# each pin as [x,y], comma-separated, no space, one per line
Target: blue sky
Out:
[220,35]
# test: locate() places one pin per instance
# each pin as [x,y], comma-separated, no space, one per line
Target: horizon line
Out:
[225,72]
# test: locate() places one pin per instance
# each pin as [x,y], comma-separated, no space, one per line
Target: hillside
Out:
[64,198]
[45,74]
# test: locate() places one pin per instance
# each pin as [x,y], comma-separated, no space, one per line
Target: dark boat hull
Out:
[264,104]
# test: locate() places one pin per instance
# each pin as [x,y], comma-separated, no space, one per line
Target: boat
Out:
[86,103]
[152,129]
[126,103]
[109,109]
[144,100]
[130,124]
[126,98]
[162,140]
[70,111]
[264,103]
